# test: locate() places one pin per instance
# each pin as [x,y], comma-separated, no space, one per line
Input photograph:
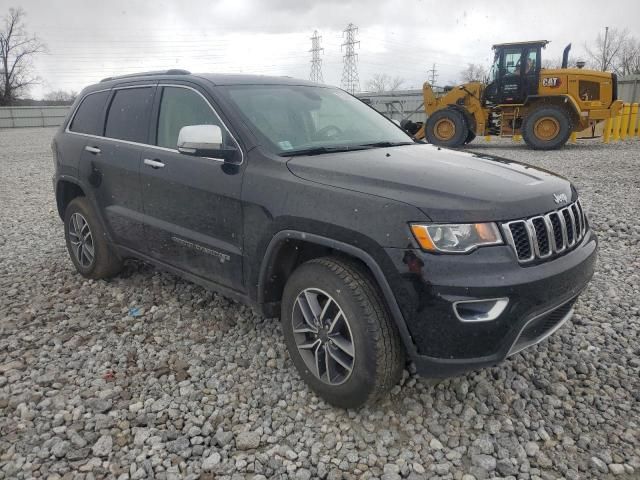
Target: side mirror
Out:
[205,141]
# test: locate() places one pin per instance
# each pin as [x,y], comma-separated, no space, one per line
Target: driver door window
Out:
[180,107]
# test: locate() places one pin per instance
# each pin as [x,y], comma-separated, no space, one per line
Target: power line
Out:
[350,79]
[316,61]
[433,75]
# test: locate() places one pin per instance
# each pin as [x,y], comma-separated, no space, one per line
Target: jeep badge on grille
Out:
[560,198]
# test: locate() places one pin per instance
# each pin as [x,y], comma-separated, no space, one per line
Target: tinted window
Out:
[128,116]
[88,118]
[181,107]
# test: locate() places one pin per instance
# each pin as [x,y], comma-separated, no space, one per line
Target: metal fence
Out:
[396,105]
[629,88]
[14,117]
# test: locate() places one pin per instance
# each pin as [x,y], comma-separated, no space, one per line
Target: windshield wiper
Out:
[386,144]
[321,150]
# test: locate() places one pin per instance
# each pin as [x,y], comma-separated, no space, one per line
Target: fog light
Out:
[483,310]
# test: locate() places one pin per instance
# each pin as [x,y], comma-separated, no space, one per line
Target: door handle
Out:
[95,150]
[153,163]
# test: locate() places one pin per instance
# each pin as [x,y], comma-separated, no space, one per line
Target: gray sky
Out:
[89,40]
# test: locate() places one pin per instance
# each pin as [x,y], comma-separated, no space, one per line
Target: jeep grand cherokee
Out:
[302,201]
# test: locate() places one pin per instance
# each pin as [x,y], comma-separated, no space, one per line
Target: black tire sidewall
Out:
[357,389]
[461,133]
[103,257]
[560,114]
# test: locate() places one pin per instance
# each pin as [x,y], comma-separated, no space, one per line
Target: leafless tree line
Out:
[617,51]
[381,82]
[17,49]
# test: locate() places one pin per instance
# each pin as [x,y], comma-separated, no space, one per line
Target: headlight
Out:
[456,238]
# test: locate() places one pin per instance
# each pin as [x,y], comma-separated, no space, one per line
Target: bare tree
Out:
[552,62]
[17,49]
[628,62]
[381,82]
[60,96]
[603,55]
[473,73]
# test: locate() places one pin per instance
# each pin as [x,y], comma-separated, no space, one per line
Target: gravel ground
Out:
[198,386]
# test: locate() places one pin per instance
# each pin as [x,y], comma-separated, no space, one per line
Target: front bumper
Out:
[541,297]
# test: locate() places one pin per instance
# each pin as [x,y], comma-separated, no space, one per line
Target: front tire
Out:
[447,128]
[546,128]
[87,244]
[339,334]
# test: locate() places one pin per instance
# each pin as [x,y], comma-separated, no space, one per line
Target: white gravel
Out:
[201,387]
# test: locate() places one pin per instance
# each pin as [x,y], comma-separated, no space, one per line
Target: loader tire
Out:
[447,128]
[547,127]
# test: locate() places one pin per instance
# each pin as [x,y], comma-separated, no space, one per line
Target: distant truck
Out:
[542,105]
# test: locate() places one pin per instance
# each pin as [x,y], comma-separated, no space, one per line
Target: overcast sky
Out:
[88,40]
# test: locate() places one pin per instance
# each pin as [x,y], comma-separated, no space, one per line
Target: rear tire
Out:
[546,127]
[446,128]
[376,355]
[90,252]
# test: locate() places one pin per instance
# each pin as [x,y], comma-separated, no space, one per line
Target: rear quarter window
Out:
[128,117]
[88,118]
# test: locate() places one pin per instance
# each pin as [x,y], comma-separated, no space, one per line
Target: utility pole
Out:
[433,75]
[604,50]
[316,61]
[350,79]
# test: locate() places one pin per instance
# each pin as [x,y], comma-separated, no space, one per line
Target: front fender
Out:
[560,99]
[375,265]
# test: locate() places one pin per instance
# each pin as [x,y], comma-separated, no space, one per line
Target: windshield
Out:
[293,118]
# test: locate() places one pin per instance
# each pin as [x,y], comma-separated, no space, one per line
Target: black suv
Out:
[306,203]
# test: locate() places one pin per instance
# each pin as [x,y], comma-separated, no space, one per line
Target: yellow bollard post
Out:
[625,121]
[574,137]
[617,121]
[633,120]
[607,130]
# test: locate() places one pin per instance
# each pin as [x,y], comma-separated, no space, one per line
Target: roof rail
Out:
[173,71]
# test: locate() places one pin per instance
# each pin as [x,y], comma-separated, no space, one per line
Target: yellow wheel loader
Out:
[542,105]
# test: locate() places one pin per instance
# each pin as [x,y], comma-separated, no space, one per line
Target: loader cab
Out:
[515,72]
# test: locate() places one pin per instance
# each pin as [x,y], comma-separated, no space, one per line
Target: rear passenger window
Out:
[128,116]
[181,107]
[88,118]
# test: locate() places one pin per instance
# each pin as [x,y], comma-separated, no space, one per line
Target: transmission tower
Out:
[350,79]
[316,61]
[433,75]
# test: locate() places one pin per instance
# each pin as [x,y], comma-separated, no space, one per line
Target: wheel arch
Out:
[66,190]
[565,101]
[468,116]
[271,282]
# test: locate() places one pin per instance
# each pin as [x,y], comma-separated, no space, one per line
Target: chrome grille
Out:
[546,235]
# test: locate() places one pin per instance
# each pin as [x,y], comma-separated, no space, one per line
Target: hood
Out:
[447,185]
